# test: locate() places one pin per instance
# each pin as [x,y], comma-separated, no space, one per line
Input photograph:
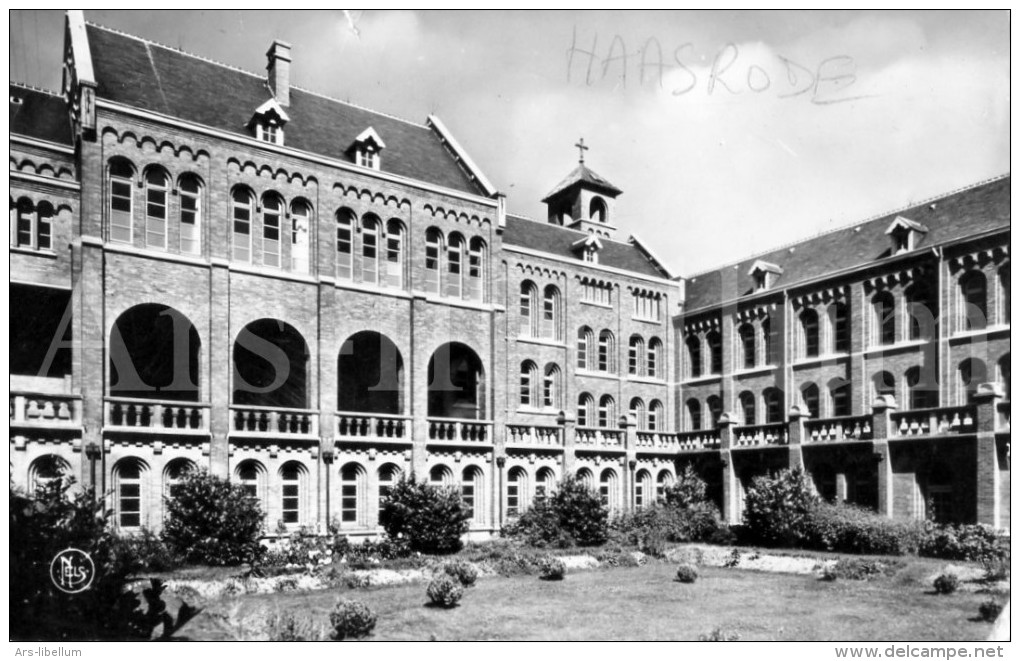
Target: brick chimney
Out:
[279,71]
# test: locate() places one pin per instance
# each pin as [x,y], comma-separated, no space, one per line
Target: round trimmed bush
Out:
[552,569]
[686,574]
[465,572]
[444,591]
[946,583]
[990,610]
[351,619]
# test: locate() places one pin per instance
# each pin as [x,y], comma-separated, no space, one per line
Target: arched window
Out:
[545,482]
[972,373]
[747,345]
[585,405]
[693,415]
[715,409]
[472,492]
[300,232]
[1003,307]
[352,495]
[840,328]
[191,214]
[292,494]
[529,309]
[839,396]
[516,488]
[440,476]
[33,226]
[454,265]
[272,220]
[433,256]
[129,486]
[773,405]
[635,355]
[345,220]
[663,482]
[642,488]
[529,383]
[747,407]
[974,301]
[607,411]
[714,352]
[607,352]
[394,254]
[388,476]
[47,472]
[921,393]
[656,421]
[241,207]
[654,359]
[122,175]
[585,347]
[597,210]
[609,490]
[809,333]
[551,387]
[551,313]
[883,307]
[693,356]
[174,474]
[809,398]
[156,185]
[639,412]
[251,477]
[922,310]
[585,477]
[476,270]
[370,229]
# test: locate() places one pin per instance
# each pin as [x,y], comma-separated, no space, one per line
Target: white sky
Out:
[712,171]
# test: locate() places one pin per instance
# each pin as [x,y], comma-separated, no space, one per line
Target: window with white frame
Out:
[656,420]
[345,220]
[607,352]
[191,215]
[635,355]
[529,378]
[607,411]
[638,412]
[585,347]
[370,249]
[550,313]
[129,480]
[269,130]
[585,404]
[516,485]
[241,208]
[272,212]
[476,270]
[433,253]
[647,305]
[394,254]
[121,207]
[654,358]
[529,309]
[300,224]
[388,476]
[551,386]
[156,188]
[596,291]
[973,302]
[32,225]
[454,265]
[351,494]
[290,492]
[368,157]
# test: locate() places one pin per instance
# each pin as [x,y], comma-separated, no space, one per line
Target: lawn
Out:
[641,603]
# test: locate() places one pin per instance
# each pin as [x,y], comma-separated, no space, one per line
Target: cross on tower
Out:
[581,148]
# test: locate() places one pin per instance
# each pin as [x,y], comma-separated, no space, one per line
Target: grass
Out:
[633,604]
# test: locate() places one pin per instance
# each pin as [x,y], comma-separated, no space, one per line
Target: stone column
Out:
[568,426]
[988,504]
[795,433]
[628,424]
[220,367]
[731,508]
[881,426]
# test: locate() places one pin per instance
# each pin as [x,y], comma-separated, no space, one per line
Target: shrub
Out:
[465,572]
[430,519]
[351,619]
[854,569]
[946,583]
[719,635]
[976,542]
[288,627]
[573,514]
[653,543]
[778,508]
[686,574]
[692,523]
[990,610]
[444,591]
[687,491]
[147,552]
[211,521]
[552,569]
[850,529]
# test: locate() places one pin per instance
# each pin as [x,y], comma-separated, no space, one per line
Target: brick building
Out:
[215,268]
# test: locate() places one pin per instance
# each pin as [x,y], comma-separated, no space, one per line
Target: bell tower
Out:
[584,200]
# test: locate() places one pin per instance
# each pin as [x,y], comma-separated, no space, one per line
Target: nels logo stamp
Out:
[72,571]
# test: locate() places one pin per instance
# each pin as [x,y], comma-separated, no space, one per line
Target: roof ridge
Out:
[245,71]
[36,89]
[856,223]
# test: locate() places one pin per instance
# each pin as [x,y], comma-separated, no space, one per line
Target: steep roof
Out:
[153,77]
[583,175]
[40,114]
[559,241]
[982,207]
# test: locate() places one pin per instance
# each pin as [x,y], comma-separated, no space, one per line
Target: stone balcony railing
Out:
[758,435]
[706,439]
[121,413]
[372,426]
[597,437]
[533,435]
[844,428]
[933,422]
[29,409]
[460,430]
[657,440]
[273,421]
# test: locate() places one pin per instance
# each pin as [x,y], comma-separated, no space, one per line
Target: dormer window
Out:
[764,275]
[591,256]
[366,149]
[588,248]
[905,234]
[267,122]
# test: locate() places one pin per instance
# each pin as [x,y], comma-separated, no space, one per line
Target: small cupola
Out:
[583,201]
[764,274]
[268,121]
[367,148]
[905,234]
[588,248]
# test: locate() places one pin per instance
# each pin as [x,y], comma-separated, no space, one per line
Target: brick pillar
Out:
[795,432]
[628,424]
[499,482]
[326,456]
[88,329]
[327,392]
[881,427]
[731,508]
[417,373]
[220,367]
[987,399]
[567,426]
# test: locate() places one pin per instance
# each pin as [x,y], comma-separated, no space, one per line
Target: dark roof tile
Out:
[40,114]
